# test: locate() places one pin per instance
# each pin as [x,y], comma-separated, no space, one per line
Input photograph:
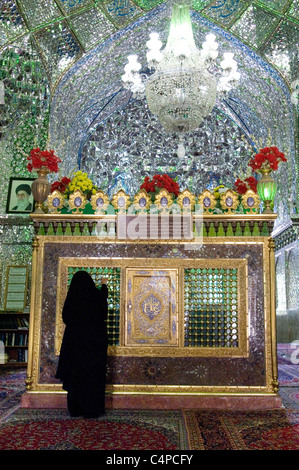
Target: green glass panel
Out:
[255,25]
[210,314]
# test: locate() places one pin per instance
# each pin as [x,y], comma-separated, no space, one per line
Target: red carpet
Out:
[151,430]
[117,430]
[23,429]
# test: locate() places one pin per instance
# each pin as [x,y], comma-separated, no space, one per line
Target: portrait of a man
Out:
[20,198]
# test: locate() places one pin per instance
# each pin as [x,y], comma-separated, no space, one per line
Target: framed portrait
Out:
[20,199]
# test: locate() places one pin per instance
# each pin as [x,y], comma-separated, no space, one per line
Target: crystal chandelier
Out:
[182,81]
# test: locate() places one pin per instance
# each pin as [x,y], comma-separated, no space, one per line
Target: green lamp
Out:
[266,188]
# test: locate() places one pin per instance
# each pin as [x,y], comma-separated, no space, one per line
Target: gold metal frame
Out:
[207,194]
[121,195]
[186,194]
[77,194]
[163,194]
[234,198]
[142,194]
[251,194]
[151,285]
[95,197]
[50,201]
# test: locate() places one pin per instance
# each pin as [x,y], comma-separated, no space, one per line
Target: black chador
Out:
[83,355]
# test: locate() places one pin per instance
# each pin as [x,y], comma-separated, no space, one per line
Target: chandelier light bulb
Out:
[154,56]
[209,54]
[181,49]
[128,80]
[234,76]
[154,43]
[132,65]
[224,85]
[210,42]
[138,86]
[228,63]
[209,48]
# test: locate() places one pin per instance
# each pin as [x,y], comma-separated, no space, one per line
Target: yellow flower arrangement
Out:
[80,181]
[218,190]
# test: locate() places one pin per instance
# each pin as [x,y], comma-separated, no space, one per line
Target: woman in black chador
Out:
[83,355]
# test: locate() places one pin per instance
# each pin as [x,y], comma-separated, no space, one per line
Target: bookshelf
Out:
[14,329]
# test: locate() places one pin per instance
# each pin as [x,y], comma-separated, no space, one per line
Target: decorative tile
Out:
[225,11]
[282,50]
[91,27]
[41,12]
[59,48]
[70,6]
[294,10]
[121,11]
[255,25]
[11,22]
[199,5]
[148,4]
[278,5]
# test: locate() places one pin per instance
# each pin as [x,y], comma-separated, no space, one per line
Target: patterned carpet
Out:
[288,370]
[12,386]
[235,430]
[151,430]
[171,431]
[117,430]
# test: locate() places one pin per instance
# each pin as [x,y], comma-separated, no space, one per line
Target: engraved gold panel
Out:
[151,307]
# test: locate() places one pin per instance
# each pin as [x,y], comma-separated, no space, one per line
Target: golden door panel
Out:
[151,307]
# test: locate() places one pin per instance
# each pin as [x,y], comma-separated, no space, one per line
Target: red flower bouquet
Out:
[267,158]
[158,182]
[43,160]
[242,186]
[60,185]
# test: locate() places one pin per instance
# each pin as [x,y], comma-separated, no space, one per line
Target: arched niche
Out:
[90,94]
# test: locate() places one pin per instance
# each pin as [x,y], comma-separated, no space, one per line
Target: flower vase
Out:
[40,189]
[266,188]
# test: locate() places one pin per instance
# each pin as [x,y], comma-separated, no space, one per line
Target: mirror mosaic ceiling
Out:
[65,38]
